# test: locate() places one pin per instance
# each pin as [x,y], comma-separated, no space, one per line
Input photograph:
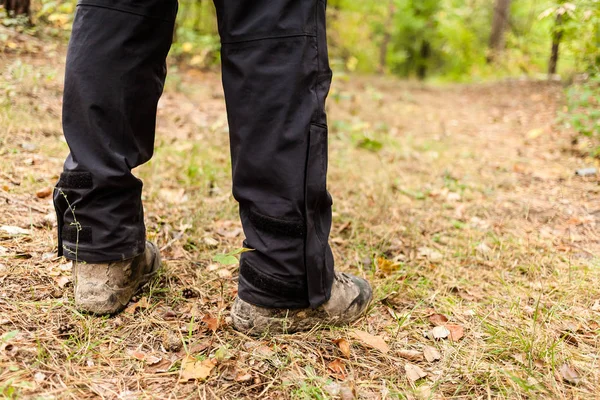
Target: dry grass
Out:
[469,208]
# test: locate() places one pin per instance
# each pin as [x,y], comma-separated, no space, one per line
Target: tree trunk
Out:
[499,23]
[424,54]
[17,7]
[387,37]
[556,38]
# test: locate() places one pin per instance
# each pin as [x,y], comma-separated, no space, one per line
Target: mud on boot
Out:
[350,297]
[107,288]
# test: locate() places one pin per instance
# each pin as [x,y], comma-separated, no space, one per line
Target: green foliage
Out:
[583,115]
[446,39]
[230,258]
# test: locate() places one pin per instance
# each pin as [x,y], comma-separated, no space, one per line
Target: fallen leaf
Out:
[211,322]
[414,373]
[431,254]
[63,281]
[198,347]
[452,196]
[173,196]
[431,354]
[341,390]
[194,369]
[521,358]
[138,355]
[483,248]
[66,266]
[412,355]
[14,230]
[39,377]
[230,233]
[152,360]
[243,377]
[344,346]
[438,319]
[338,369]
[569,374]
[263,351]
[43,193]
[142,304]
[440,332]
[386,266]
[210,242]
[224,273]
[162,366]
[222,354]
[534,133]
[569,338]
[376,342]
[424,392]
[456,332]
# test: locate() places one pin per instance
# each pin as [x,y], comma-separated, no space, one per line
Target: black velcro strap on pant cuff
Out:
[75,180]
[71,234]
[277,226]
[264,282]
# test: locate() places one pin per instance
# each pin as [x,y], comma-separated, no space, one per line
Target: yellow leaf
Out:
[187,47]
[194,369]
[386,266]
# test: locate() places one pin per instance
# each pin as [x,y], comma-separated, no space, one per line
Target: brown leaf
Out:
[414,373]
[569,338]
[142,305]
[243,377]
[431,354]
[162,366]
[412,355]
[344,346]
[569,374]
[438,319]
[456,332]
[138,355]
[63,281]
[376,342]
[338,369]
[43,193]
[194,369]
[211,322]
[153,360]
[198,347]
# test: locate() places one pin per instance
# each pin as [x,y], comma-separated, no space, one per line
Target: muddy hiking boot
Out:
[107,288]
[350,297]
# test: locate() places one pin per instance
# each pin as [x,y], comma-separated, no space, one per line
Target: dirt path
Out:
[458,200]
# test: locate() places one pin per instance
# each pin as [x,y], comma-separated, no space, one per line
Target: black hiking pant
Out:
[276,77]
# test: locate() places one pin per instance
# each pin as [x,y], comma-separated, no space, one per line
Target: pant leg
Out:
[115,73]
[276,77]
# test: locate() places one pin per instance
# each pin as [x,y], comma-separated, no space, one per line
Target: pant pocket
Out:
[318,200]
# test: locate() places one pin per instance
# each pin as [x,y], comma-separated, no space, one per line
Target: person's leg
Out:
[115,73]
[276,77]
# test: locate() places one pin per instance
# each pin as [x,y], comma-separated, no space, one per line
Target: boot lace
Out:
[342,278]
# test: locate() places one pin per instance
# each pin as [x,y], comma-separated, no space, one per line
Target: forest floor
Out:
[458,202]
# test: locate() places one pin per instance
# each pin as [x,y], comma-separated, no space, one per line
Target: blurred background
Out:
[451,40]
[435,40]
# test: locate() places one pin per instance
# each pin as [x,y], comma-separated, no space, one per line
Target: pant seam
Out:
[92,4]
[269,37]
